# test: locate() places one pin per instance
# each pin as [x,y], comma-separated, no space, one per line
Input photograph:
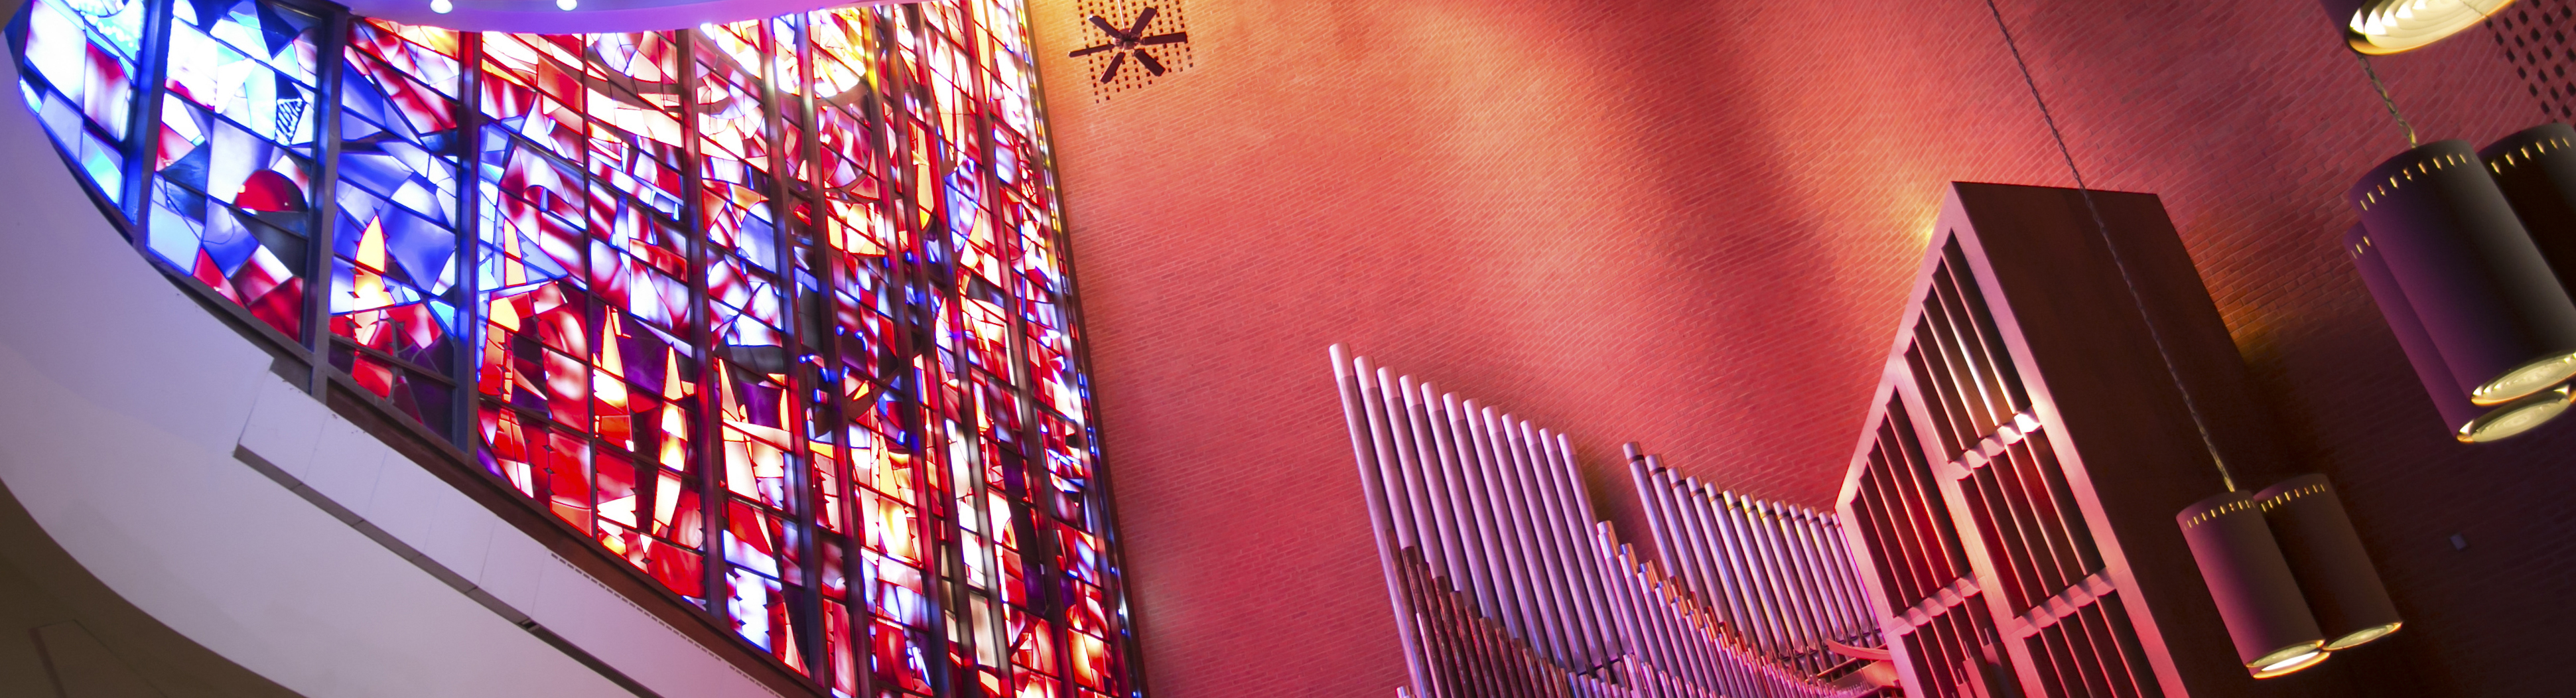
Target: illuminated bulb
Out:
[442,6]
[567,5]
[2290,664]
[2362,636]
[2516,417]
[2381,27]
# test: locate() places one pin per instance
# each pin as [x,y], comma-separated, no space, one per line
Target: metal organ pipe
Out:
[1559,544]
[1390,476]
[1399,429]
[1504,585]
[1800,532]
[1541,627]
[1766,563]
[1794,538]
[1363,449]
[1498,569]
[1760,626]
[1566,532]
[1403,498]
[1545,564]
[1515,546]
[1474,565]
[1533,553]
[1829,536]
[1658,519]
[1590,573]
[1426,524]
[1426,475]
[1770,631]
[1820,537]
[1691,563]
[1761,563]
[1791,575]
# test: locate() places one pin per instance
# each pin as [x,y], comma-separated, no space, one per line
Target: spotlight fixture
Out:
[2343,590]
[2494,311]
[2468,422]
[442,6]
[2381,27]
[567,5]
[2257,595]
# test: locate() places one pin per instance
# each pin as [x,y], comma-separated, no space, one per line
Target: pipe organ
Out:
[1778,572]
[1504,583]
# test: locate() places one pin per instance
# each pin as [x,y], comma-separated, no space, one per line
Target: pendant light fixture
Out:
[2468,422]
[2257,595]
[2381,27]
[2325,554]
[2536,170]
[2496,314]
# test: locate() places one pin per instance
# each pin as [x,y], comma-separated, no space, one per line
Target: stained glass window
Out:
[775,311]
[76,65]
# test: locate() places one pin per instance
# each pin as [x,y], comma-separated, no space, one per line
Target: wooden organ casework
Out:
[2010,504]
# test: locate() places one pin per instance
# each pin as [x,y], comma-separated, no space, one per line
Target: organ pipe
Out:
[1504,584]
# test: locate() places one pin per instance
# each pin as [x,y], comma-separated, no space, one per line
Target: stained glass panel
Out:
[394,303]
[77,68]
[775,311]
[235,160]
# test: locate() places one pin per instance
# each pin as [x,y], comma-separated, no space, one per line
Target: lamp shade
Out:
[2495,313]
[2324,552]
[2257,596]
[2536,170]
[2468,422]
[2380,27]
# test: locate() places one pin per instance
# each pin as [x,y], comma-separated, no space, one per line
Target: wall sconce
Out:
[2258,597]
[2325,554]
[2468,422]
[2381,27]
[2494,311]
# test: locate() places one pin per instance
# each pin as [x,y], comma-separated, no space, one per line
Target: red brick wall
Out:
[1691,224]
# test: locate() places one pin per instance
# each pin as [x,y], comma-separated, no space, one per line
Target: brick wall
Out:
[1692,224]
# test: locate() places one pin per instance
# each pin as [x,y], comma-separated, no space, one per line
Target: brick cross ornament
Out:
[1131,40]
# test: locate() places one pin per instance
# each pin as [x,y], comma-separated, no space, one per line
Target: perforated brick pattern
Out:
[2533,34]
[1121,69]
[1693,224]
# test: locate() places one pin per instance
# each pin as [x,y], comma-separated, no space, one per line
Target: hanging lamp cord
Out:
[2385,99]
[2155,335]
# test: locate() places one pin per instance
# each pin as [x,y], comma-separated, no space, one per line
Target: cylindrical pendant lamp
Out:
[2468,422]
[2257,596]
[2496,313]
[2324,552]
[2380,27]
[2536,170]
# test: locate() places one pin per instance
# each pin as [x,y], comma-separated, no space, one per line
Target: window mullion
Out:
[792,235]
[471,310]
[710,437]
[151,59]
[329,61]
